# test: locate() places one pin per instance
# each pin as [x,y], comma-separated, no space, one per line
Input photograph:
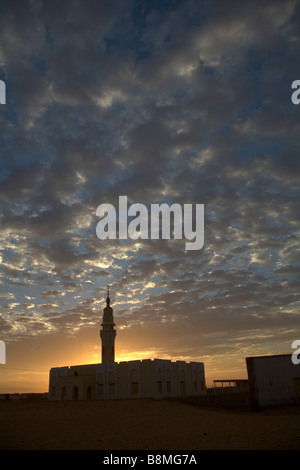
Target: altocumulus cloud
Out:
[181,101]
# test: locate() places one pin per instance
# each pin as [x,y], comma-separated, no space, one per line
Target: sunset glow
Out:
[169,102]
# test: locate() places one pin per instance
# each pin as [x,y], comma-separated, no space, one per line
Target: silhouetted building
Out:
[273,380]
[157,378]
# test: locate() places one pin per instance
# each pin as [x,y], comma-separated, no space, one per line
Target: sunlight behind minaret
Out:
[135,355]
[140,355]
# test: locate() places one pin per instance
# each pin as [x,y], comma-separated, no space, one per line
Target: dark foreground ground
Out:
[143,425]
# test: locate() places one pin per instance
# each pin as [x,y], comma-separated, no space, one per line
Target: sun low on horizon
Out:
[152,147]
[28,369]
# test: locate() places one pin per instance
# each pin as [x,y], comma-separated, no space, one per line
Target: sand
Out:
[143,425]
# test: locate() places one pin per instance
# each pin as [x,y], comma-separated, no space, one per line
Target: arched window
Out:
[134,382]
[75,393]
[111,384]
[63,393]
[100,389]
[100,378]
[89,393]
[182,383]
[111,377]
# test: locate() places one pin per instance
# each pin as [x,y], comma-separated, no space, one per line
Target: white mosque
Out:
[147,378]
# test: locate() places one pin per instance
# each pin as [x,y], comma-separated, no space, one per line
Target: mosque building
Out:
[147,378]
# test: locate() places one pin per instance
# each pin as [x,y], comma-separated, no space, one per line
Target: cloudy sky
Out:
[165,102]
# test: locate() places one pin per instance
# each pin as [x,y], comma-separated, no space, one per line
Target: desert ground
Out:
[143,425]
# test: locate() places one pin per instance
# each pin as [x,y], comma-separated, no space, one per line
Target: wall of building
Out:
[273,380]
[148,378]
[73,383]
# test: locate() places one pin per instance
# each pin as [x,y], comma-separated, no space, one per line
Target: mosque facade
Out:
[147,378]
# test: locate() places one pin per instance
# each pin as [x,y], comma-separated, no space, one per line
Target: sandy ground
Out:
[143,425]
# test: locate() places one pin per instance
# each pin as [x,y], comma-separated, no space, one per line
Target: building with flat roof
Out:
[231,385]
[157,378]
[273,380]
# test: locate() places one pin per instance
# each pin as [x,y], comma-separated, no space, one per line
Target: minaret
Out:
[108,333]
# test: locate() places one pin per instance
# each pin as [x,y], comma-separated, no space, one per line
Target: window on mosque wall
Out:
[111,377]
[134,388]
[112,389]
[75,393]
[159,386]
[89,393]
[100,378]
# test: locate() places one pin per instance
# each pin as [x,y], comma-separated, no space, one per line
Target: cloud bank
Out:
[181,101]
